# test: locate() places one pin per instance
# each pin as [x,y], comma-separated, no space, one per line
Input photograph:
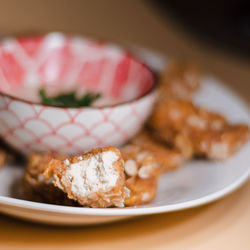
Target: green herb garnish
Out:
[68,99]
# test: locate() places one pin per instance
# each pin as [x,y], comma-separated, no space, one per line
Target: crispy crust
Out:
[3,157]
[56,169]
[142,191]
[166,157]
[35,187]
[179,81]
[196,131]
[136,158]
[142,173]
[36,165]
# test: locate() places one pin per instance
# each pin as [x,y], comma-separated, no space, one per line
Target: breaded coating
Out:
[140,169]
[196,131]
[142,172]
[3,157]
[142,191]
[220,145]
[166,157]
[93,179]
[35,187]
[179,81]
[37,163]
[138,161]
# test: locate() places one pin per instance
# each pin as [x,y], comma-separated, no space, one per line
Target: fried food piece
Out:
[196,131]
[3,157]
[36,166]
[142,184]
[94,179]
[142,172]
[179,81]
[220,145]
[176,113]
[139,162]
[35,187]
[142,191]
[166,157]
[144,160]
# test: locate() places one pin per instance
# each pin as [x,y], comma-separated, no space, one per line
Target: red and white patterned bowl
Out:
[56,59]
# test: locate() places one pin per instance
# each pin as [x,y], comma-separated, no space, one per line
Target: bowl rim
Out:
[149,92]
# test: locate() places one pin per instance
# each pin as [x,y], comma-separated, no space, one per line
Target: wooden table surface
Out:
[224,224]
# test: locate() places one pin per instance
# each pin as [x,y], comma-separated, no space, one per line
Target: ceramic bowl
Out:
[59,60]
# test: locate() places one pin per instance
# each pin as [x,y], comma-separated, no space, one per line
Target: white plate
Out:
[196,183]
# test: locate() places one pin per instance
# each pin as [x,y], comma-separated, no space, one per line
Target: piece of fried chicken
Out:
[179,81]
[142,173]
[196,131]
[35,187]
[93,179]
[166,157]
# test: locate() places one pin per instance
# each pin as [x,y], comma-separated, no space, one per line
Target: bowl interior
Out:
[60,63]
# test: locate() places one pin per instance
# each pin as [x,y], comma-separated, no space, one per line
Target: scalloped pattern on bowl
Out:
[56,59]
[32,127]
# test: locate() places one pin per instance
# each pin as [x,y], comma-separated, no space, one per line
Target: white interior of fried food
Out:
[92,175]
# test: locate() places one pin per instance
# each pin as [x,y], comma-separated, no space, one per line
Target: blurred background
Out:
[216,36]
